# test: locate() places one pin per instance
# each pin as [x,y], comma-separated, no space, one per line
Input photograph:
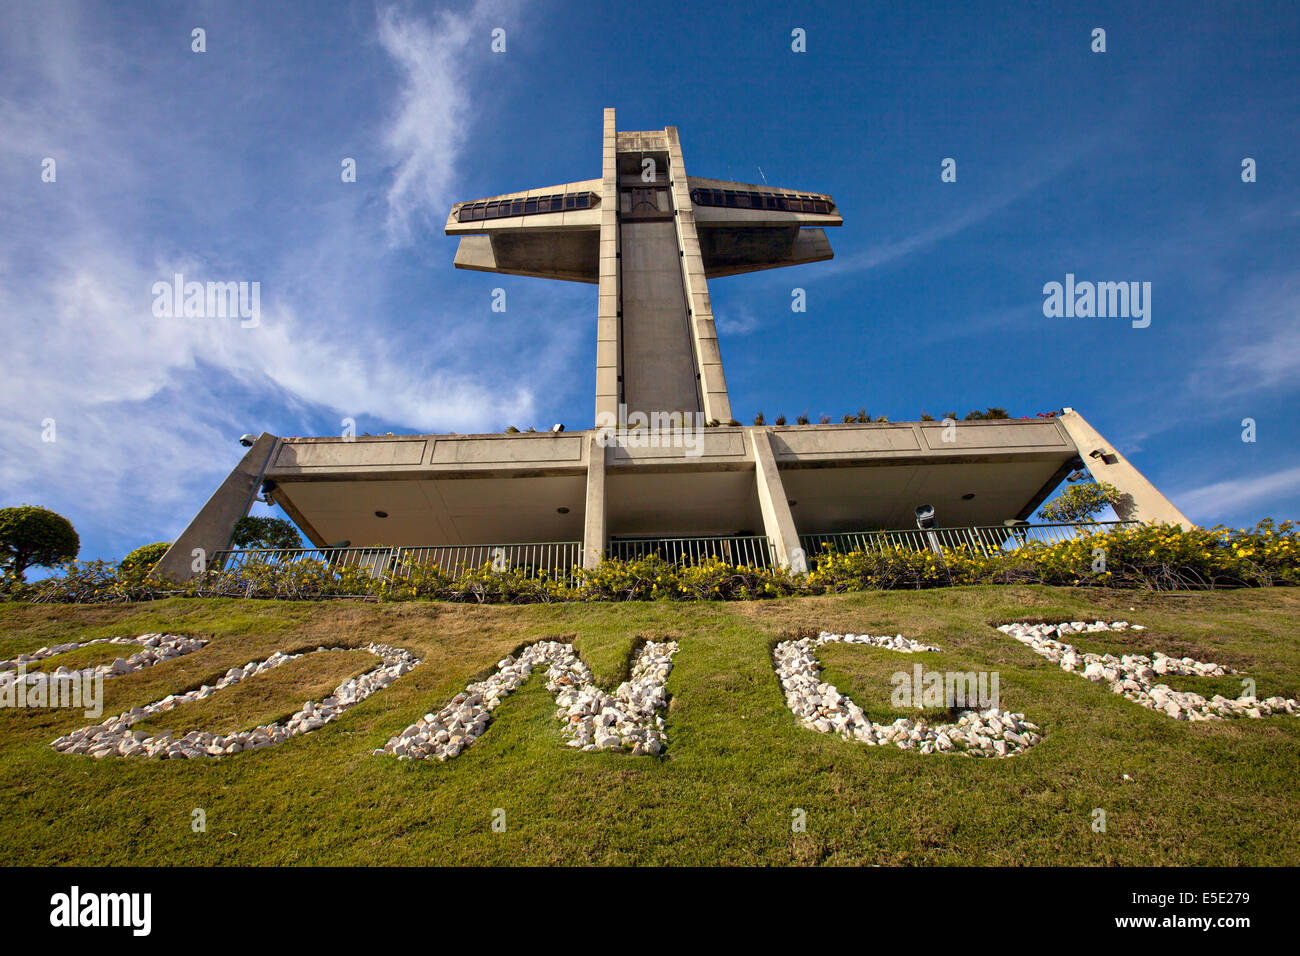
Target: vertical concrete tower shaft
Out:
[650,237]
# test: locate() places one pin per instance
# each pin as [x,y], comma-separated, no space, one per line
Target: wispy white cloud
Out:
[738,320]
[428,128]
[893,249]
[1235,495]
[146,409]
[1257,348]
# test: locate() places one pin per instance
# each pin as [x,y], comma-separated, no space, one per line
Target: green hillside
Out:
[737,766]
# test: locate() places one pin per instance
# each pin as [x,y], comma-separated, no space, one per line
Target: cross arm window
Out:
[534,205]
[747,199]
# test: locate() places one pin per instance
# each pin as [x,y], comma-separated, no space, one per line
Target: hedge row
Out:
[1161,557]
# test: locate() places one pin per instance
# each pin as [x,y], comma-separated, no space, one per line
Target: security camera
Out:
[557,428]
[248,440]
[924,516]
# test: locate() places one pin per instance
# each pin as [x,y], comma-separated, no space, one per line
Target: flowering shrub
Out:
[1166,557]
[146,556]
[1149,556]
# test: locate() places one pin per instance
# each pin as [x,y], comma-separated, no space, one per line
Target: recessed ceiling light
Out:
[968,496]
[381,514]
[562,510]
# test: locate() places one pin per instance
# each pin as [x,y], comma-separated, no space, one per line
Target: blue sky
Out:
[225,165]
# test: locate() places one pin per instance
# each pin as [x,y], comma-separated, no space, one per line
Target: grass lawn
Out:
[737,765]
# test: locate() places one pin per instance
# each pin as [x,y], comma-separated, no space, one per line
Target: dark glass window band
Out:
[780,202]
[533,206]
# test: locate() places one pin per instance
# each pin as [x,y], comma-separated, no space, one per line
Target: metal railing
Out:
[750,550]
[559,559]
[550,558]
[985,538]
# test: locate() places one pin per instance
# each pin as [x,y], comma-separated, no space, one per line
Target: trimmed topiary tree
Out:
[1081,502]
[144,557]
[35,537]
[257,532]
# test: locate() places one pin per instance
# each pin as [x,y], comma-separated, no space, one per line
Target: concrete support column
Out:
[1144,502]
[778,521]
[704,334]
[607,325]
[214,525]
[593,535]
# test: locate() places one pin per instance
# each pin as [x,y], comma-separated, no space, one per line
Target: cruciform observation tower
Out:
[650,236]
[667,468]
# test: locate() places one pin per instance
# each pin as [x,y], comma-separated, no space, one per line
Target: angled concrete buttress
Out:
[214,525]
[778,521]
[1143,501]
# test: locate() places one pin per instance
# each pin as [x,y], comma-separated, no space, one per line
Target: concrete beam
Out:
[571,257]
[214,525]
[428,457]
[704,337]
[778,520]
[593,537]
[725,256]
[1143,501]
[609,346]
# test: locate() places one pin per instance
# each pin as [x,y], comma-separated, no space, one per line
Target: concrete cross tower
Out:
[650,237]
